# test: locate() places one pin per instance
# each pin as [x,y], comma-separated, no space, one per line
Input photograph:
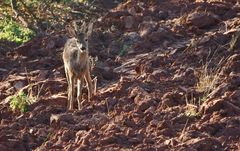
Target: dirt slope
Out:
[151,56]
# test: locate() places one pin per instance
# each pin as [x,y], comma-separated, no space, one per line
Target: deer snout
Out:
[83,48]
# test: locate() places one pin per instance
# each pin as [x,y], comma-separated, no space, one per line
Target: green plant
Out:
[191,111]
[47,137]
[20,102]
[192,107]
[83,1]
[123,51]
[11,31]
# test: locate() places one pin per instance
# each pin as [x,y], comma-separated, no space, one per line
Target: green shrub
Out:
[11,31]
[20,102]
[124,49]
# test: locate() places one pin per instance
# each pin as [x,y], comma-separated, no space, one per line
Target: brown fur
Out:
[77,68]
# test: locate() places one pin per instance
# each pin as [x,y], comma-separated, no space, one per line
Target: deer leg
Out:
[68,86]
[79,92]
[71,92]
[89,84]
[94,81]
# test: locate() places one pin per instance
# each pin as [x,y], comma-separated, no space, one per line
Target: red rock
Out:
[109,140]
[170,99]
[202,19]
[207,144]
[129,22]
[67,135]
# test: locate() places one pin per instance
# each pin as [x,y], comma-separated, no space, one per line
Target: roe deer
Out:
[77,63]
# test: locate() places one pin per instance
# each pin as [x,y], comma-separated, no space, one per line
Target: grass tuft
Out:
[208,78]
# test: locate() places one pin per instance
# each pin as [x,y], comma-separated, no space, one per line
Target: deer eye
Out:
[86,40]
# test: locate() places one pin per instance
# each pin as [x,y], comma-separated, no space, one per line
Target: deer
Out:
[77,63]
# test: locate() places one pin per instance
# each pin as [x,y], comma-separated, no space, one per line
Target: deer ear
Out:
[71,31]
[75,26]
[90,29]
[83,28]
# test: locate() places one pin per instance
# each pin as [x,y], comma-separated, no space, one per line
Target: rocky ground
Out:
[168,79]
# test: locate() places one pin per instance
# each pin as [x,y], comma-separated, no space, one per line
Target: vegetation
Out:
[208,79]
[192,107]
[20,102]
[11,31]
[123,51]
[21,20]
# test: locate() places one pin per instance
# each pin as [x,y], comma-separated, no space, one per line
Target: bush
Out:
[11,31]
[20,102]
